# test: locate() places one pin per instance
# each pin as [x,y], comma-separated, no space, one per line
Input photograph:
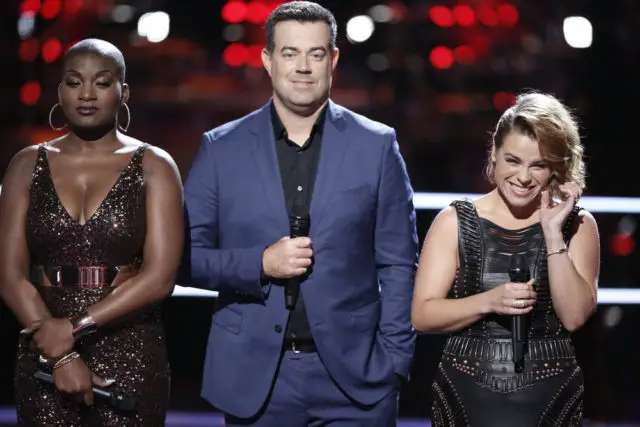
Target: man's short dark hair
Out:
[301,11]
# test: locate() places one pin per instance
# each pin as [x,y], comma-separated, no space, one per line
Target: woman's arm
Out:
[432,311]
[573,275]
[162,247]
[16,290]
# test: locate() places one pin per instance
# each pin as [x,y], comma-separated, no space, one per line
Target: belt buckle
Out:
[293,348]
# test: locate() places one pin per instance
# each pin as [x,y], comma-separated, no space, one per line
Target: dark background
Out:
[182,87]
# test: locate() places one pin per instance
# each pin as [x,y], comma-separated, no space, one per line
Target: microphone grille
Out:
[518,262]
[125,402]
[299,212]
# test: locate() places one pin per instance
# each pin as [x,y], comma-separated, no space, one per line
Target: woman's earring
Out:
[51,118]
[125,128]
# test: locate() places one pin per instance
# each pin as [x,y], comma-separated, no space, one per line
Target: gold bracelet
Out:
[559,251]
[66,359]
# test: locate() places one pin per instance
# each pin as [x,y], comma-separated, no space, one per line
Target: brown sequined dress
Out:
[132,352]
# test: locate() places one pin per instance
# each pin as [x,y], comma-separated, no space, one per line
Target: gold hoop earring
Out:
[51,119]
[125,128]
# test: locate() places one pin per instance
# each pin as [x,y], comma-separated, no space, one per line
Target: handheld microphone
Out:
[519,273]
[299,227]
[117,399]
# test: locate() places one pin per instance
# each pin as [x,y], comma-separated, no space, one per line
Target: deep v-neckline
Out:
[100,205]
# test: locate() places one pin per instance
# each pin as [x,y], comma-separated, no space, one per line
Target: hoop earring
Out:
[57,104]
[125,128]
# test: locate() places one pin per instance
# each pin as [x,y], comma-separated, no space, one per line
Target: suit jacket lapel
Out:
[331,157]
[266,160]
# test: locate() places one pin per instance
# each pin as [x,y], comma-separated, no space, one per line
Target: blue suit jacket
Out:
[358,297]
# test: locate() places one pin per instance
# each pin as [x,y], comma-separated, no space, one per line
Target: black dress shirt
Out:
[298,166]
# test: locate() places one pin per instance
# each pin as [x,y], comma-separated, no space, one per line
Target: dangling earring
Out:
[51,119]
[125,128]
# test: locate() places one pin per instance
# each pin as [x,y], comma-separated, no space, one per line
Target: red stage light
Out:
[32,6]
[257,12]
[464,15]
[72,7]
[29,50]
[30,93]
[487,16]
[623,245]
[464,54]
[50,8]
[508,15]
[234,11]
[51,50]
[271,6]
[235,55]
[441,16]
[441,57]
[503,100]
[254,56]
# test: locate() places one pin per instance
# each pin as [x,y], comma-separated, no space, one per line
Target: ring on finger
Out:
[518,303]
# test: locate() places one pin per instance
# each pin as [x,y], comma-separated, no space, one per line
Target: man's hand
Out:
[287,258]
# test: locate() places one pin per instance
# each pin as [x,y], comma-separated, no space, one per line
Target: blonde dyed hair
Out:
[545,119]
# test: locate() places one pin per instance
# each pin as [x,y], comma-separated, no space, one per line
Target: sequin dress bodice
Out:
[113,235]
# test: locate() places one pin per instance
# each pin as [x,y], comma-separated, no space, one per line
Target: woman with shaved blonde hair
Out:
[467,283]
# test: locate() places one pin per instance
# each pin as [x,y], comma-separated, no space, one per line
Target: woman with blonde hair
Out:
[530,224]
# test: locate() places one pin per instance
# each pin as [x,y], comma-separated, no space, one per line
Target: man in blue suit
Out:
[339,355]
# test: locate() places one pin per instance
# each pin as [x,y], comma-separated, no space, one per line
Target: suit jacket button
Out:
[277,328]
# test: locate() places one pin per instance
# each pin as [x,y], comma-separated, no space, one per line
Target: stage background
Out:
[440,72]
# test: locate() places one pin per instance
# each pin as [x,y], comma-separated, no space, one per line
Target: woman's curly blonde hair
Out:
[545,119]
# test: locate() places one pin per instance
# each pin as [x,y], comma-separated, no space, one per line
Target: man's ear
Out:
[266,60]
[334,58]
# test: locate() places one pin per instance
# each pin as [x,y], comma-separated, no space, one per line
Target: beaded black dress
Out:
[476,384]
[132,352]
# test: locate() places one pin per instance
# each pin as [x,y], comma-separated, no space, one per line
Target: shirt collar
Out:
[279,131]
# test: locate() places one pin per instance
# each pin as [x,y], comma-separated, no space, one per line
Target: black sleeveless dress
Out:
[476,384]
[132,352]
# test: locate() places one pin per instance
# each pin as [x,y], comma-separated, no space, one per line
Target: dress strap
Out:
[134,167]
[138,155]
[470,248]
[569,225]
[42,154]
[41,167]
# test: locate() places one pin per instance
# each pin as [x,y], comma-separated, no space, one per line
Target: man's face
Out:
[301,64]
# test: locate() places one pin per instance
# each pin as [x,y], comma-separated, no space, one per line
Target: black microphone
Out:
[299,224]
[519,273]
[117,399]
